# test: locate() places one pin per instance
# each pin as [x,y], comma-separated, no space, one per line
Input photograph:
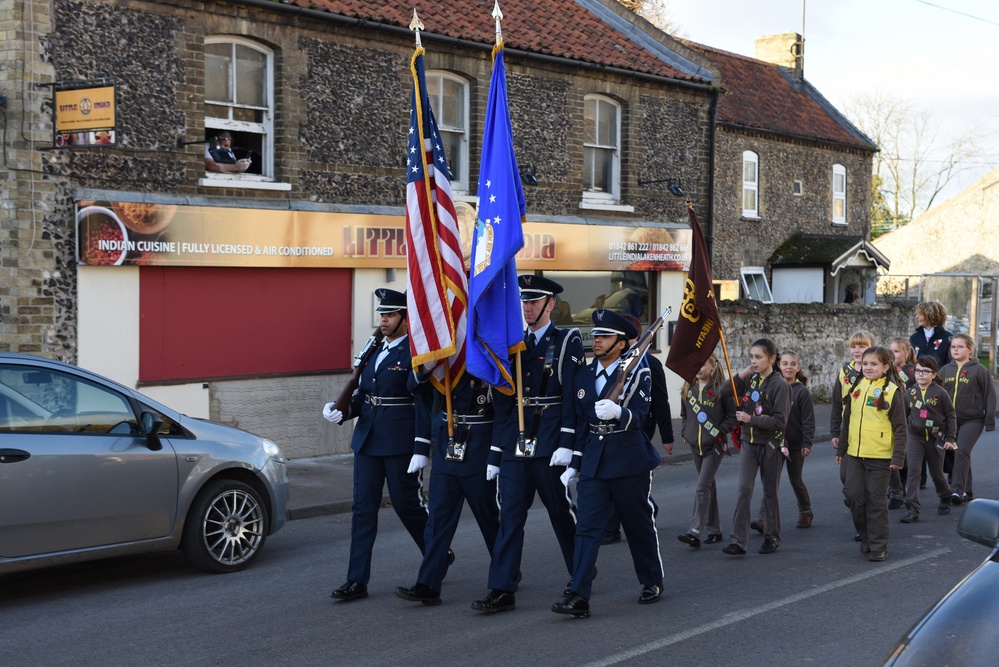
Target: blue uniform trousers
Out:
[518,481]
[370,476]
[448,494]
[632,497]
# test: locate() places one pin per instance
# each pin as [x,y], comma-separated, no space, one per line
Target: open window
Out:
[755,285]
[239,103]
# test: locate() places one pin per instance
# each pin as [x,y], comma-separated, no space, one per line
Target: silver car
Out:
[91,469]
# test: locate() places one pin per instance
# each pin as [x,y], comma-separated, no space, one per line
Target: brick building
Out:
[791,173]
[607,113]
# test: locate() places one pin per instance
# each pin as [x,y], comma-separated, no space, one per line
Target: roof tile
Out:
[564,29]
[762,95]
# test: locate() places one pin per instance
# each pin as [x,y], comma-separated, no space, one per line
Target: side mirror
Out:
[150,428]
[980,522]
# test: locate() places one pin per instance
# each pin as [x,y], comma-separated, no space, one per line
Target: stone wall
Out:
[817,332]
[739,241]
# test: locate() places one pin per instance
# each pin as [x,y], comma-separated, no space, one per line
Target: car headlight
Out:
[273,451]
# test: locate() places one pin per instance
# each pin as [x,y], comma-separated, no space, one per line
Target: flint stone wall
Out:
[817,332]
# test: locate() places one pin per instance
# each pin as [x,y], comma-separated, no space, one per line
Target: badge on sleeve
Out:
[580,394]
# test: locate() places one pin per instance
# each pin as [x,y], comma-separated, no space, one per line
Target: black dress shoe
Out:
[419,593]
[757,526]
[496,601]
[713,538]
[574,605]
[567,591]
[650,594]
[910,517]
[449,561]
[734,550]
[769,546]
[350,591]
[693,541]
[858,538]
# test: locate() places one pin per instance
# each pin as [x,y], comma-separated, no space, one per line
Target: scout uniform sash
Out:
[701,415]
[752,402]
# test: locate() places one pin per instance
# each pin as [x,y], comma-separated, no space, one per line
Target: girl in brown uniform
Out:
[905,362]
[970,387]
[762,413]
[872,443]
[706,417]
[932,430]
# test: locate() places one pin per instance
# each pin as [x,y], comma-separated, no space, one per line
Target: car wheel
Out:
[226,527]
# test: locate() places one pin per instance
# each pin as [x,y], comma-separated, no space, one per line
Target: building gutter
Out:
[338,19]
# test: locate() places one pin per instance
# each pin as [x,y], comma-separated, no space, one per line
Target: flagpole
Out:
[728,365]
[447,398]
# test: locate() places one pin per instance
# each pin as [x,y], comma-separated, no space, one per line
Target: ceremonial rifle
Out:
[361,359]
[631,359]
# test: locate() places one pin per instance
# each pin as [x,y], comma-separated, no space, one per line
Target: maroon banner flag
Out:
[697,328]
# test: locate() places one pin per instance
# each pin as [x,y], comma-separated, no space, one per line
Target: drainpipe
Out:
[712,136]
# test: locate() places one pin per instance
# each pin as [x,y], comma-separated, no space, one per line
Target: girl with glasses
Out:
[932,430]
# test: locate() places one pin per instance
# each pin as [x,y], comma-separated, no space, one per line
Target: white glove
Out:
[561,457]
[491,472]
[417,463]
[567,477]
[331,414]
[607,409]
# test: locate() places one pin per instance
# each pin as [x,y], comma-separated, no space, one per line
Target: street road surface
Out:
[817,601]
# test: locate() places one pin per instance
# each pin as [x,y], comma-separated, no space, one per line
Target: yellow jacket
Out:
[871,432]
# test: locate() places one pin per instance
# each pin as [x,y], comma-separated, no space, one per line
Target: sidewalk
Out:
[324,485]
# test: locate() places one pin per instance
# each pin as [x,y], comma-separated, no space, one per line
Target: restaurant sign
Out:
[144,234]
[84,116]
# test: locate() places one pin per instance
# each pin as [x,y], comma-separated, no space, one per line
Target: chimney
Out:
[786,50]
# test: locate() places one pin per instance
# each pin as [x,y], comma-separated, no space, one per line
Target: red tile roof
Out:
[762,95]
[565,29]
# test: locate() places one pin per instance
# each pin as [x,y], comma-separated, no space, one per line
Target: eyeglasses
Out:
[923,371]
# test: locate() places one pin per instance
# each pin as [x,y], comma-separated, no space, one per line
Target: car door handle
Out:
[13,455]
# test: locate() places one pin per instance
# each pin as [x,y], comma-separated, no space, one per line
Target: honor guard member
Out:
[457,476]
[614,460]
[535,462]
[385,445]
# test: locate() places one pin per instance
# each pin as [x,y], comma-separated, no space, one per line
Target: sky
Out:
[930,52]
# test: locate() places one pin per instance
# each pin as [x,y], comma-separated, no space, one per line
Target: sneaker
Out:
[734,550]
[691,540]
[713,538]
[896,504]
[769,546]
[910,517]
[956,499]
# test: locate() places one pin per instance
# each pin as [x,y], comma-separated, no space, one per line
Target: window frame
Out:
[751,186]
[614,196]
[838,170]
[759,275]
[265,129]
[459,182]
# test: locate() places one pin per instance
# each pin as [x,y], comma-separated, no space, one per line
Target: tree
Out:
[913,164]
[655,12]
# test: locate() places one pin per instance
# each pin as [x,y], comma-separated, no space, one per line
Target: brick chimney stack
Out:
[786,49]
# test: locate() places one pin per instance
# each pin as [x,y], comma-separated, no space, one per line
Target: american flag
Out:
[437,289]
